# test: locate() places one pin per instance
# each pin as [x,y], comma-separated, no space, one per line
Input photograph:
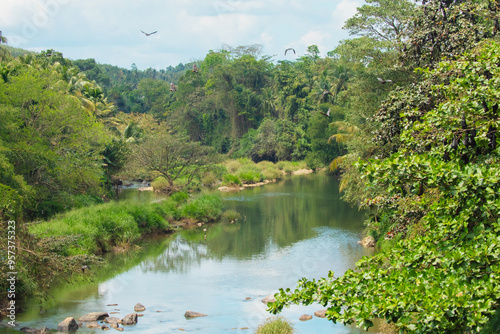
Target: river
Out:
[295,228]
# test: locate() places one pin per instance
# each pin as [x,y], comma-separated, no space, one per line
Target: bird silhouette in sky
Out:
[145,33]
[382,81]
[290,49]
[172,87]
[327,113]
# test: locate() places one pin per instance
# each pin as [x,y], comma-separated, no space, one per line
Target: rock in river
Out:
[192,314]
[94,316]
[139,307]
[305,317]
[68,325]
[130,319]
[367,242]
[28,330]
[268,299]
[112,320]
[321,313]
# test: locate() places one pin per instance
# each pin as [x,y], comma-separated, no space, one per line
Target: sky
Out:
[110,30]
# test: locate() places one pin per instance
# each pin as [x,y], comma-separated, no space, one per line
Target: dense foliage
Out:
[430,182]
[446,277]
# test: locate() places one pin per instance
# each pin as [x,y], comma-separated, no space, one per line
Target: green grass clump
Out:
[272,173]
[250,174]
[230,216]
[263,165]
[277,325]
[160,184]
[204,208]
[230,179]
[101,227]
[179,197]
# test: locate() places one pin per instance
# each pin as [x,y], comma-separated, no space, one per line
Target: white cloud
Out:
[344,10]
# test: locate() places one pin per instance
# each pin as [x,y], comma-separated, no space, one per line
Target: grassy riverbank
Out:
[238,172]
[56,250]
[97,229]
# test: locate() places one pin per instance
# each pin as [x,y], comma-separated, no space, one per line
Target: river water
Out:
[295,228]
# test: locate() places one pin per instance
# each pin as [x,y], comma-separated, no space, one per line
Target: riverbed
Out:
[295,228]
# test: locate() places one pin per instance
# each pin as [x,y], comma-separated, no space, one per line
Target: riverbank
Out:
[238,174]
[63,248]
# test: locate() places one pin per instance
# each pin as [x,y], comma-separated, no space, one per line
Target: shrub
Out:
[250,174]
[204,208]
[232,165]
[272,173]
[281,164]
[277,325]
[313,160]
[230,179]
[230,216]
[179,197]
[209,179]
[263,165]
[160,184]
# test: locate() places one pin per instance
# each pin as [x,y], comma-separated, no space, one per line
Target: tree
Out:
[383,20]
[442,189]
[174,157]
[49,139]
[448,28]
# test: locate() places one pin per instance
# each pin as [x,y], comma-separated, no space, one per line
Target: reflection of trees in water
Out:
[284,213]
[278,214]
[179,255]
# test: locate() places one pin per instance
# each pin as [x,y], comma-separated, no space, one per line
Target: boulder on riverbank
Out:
[367,242]
[68,325]
[139,307]
[93,316]
[192,314]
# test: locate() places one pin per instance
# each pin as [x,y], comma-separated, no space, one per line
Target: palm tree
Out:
[346,133]
[3,39]
[3,52]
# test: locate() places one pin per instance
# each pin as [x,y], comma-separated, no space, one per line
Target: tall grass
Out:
[277,325]
[101,227]
[204,208]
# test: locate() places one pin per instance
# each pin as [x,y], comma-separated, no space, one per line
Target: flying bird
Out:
[145,33]
[382,81]
[195,68]
[85,267]
[292,49]
[327,113]
[172,87]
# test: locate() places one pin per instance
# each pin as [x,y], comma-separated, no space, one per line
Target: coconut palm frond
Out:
[334,165]
[340,138]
